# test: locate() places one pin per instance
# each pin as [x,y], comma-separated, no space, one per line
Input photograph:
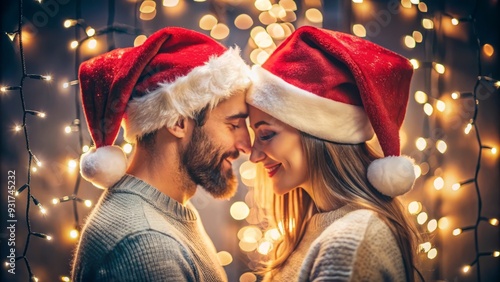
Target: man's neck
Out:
[163,172]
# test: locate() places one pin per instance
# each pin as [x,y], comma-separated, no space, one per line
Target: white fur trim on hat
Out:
[205,85]
[103,166]
[392,176]
[308,112]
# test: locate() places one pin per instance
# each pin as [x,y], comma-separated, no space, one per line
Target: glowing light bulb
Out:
[92,43]
[67,129]
[438,183]
[417,35]
[73,44]
[72,164]
[427,23]
[432,253]
[428,109]
[422,7]
[34,169]
[466,269]
[457,231]
[439,68]
[90,31]
[468,128]
[219,31]
[263,5]
[456,186]
[421,97]
[65,85]
[17,128]
[88,203]
[410,41]
[496,254]
[170,3]
[422,218]
[494,150]
[239,210]
[357,1]
[49,237]
[417,170]
[265,247]
[225,258]
[314,15]
[432,225]
[421,144]
[414,207]
[440,105]
[415,63]
[455,21]
[85,148]
[243,21]
[455,95]
[426,246]
[127,148]
[488,50]
[493,221]
[443,223]
[441,146]
[74,234]
[359,30]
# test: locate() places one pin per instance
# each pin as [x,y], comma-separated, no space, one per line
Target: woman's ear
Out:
[180,129]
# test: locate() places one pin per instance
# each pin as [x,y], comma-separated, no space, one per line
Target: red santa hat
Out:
[343,89]
[175,73]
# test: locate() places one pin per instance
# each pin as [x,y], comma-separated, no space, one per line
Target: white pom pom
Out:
[392,176]
[103,166]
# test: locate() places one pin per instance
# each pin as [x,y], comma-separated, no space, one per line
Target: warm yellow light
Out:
[493,221]
[219,31]
[277,11]
[148,16]
[422,7]
[147,7]
[265,247]
[415,63]
[92,43]
[3,89]
[406,4]
[90,31]
[428,109]
[67,23]
[85,148]
[359,30]
[314,15]
[225,258]
[466,269]
[289,5]
[426,246]
[170,3]
[414,207]
[88,203]
[73,44]
[17,128]
[432,253]
[34,278]
[421,144]
[43,210]
[243,22]
[263,40]
[443,223]
[239,210]
[441,146]
[456,231]
[493,150]
[432,225]
[247,173]
[439,68]
[263,5]
[139,40]
[415,2]
[248,277]
[427,23]
[421,97]
[34,169]
[266,18]
[417,170]
[455,95]
[488,50]
[65,279]
[422,218]
[455,21]
[468,128]
[127,148]
[357,1]
[72,164]
[49,237]
[55,201]
[65,85]
[438,183]
[440,105]
[74,234]
[289,16]
[496,253]
[67,129]
[248,246]
[417,35]
[455,186]
[409,41]
[276,31]
[272,234]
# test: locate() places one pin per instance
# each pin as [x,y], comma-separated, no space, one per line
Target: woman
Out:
[314,103]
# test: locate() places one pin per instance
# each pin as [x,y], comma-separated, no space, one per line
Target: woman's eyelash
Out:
[267,136]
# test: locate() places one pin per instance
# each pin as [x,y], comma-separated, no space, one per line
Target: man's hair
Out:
[148,140]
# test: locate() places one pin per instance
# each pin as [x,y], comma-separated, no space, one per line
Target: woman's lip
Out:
[271,170]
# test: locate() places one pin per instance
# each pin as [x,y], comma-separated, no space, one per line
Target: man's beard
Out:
[203,161]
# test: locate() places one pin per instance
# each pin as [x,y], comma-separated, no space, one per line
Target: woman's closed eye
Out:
[266,136]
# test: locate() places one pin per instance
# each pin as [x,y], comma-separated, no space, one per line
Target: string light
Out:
[458,185]
[493,150]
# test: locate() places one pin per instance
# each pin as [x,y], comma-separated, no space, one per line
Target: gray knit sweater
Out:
[344,245]
[137,233]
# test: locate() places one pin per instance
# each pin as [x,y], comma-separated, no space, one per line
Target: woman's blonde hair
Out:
[338,175]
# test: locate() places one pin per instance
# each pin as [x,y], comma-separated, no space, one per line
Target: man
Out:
[180,95]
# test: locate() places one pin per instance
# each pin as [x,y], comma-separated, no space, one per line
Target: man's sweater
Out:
[137,233]
[345,245]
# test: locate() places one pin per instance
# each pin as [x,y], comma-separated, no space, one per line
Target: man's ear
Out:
[180,128]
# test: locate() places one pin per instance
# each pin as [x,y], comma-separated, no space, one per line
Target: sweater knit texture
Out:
[137,233]
[346,244]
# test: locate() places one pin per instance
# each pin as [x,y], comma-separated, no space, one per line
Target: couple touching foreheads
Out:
[183,99]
